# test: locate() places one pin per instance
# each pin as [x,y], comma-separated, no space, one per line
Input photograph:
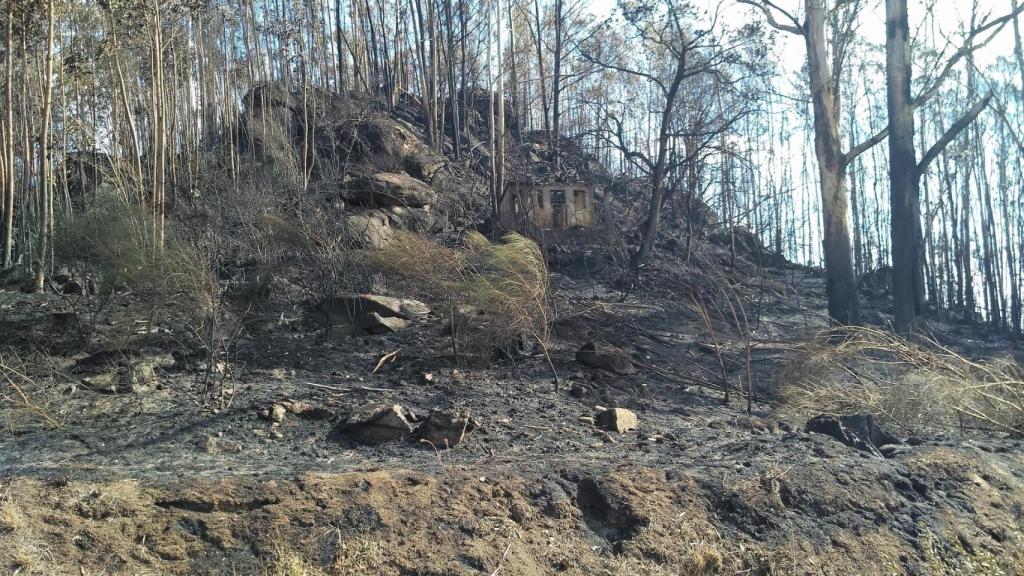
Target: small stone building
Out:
[543,207]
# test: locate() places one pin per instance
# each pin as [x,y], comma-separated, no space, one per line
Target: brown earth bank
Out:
[817,511]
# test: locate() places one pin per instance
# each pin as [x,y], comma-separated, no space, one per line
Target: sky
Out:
[949,12]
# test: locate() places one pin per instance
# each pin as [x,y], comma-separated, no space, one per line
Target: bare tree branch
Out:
[767,6]
[952,133]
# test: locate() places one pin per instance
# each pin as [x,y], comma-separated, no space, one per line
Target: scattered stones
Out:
[446,429]
[587,420]
[857,430]
[134,377]
[617,420]
[377,423]
[605,357]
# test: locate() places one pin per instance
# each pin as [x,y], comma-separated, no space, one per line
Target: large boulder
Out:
[386,141]
[378,423]
[349,307]
[390,189]
[367,229]
[374,323]
[605,357]
[423,220]
[859,431]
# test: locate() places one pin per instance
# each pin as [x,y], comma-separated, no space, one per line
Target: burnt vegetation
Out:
[513,287]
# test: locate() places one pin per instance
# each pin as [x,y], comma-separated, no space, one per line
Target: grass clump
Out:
[500,289]
[117,244]
[920,387]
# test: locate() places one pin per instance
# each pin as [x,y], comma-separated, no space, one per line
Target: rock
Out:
[617,420]
[446,429]
[857,430]
[277,413]
[385,189]
[367,229]
[587,420]
[306,411]
[137,376]
[605,357]
[215,445]
[423,220]
[378,423]
[347,308]
[374,323]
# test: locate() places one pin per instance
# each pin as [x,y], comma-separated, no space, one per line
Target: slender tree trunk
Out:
[45,186]
[902,164]
[841,282]
[8,135]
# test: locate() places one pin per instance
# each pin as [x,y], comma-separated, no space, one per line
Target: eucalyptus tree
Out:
[824,28]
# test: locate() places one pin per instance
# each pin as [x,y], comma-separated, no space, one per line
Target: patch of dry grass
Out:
[919,387]
[26,397]
[506,282]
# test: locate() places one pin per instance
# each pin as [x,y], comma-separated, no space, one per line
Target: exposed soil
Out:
[152,482]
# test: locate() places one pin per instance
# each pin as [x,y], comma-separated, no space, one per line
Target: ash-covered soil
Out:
[158,481]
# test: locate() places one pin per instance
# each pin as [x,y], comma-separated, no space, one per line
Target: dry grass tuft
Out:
[288,562]
[920,387]
[25,397]
[507,282]
[10,517]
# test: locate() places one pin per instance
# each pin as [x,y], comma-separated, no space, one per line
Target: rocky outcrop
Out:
[377,423]
[367,229]
[857,430]
[385,189]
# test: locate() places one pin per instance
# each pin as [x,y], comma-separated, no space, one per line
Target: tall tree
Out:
[824,75]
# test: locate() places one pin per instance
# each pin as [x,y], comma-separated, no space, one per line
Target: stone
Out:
[587,420]
[378,423]
[374,323]
[385,189]
[859,431]
[133,377]
[347,308]
[423,220]
[617,420]
[446,428]
[277,413]
[367,229]
[605,357]
[215,445]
